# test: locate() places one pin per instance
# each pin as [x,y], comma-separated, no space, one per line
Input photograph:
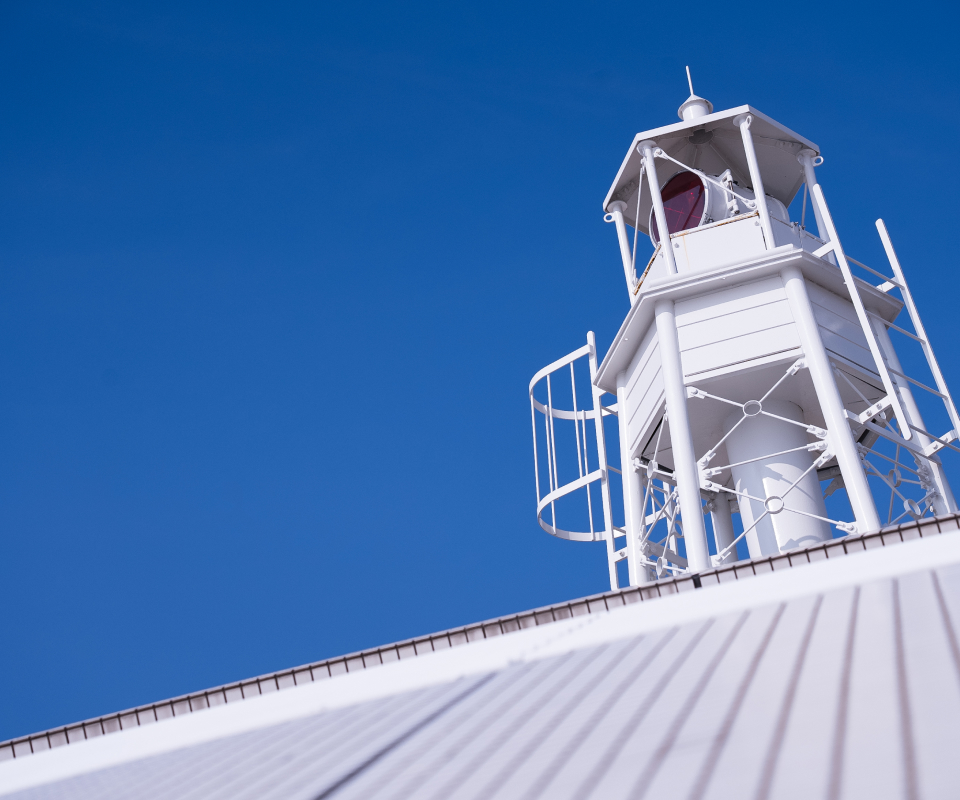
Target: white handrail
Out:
[556,489]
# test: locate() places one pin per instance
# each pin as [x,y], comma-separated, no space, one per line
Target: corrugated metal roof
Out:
[149,713]
[840,680]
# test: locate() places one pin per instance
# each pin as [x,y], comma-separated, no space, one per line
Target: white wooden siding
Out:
[644,389]
[839,327]
[743,323]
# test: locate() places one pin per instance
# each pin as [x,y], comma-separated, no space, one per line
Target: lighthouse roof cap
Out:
[720,148]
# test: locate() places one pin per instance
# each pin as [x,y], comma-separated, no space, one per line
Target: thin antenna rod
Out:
[690,81]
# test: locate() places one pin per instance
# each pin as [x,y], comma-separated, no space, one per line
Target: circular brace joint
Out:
[774,504]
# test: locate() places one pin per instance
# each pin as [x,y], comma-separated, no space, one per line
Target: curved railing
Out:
[591,461]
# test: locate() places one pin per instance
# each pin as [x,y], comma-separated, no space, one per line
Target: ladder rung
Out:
[851,284]
[918,325]
[917,383]
[909,446]
[870,269]
[897,328]
[938,442]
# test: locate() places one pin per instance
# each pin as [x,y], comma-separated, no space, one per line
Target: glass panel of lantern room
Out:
[684,198]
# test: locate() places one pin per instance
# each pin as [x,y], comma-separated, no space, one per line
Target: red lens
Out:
[683,199]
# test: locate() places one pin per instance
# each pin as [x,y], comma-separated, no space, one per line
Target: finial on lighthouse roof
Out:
[694,106]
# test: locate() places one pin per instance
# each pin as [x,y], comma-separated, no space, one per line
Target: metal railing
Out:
[549,459]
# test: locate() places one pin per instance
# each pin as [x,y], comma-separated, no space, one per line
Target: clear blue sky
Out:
[274,279]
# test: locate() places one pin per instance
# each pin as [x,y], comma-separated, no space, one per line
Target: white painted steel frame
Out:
[684,455]
[921,335]
[726,550]
[821,373]
[586,478]
[807,158]
[631,492]
[629,270]
[899,397]
[743,122]
[943,502]
[844,426]
[833,245]
[854,480]
[649,164]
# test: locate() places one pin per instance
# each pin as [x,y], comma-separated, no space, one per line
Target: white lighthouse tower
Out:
[754,381]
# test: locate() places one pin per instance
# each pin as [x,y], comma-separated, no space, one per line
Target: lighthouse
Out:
[754,392]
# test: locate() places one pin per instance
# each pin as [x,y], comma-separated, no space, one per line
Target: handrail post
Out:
[743,122]
[602,452]
[805,157]
[632,500]
[617,207]
[646,147]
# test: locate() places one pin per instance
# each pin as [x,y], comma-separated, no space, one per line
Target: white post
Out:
[824,382]
[666,245]
[943,503]
[806,157]
[681,440]
[743,123]
[632,493]
[602,453]
[722,521]
[617,207]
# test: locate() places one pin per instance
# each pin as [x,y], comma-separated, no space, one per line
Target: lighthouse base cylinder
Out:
[769,479]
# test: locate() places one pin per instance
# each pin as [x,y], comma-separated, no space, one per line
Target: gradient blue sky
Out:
[274,278]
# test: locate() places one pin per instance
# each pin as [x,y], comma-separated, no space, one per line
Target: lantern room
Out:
[719,183]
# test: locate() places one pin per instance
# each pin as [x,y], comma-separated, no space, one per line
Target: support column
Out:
[632,493]
[944,503]
[841,437]
[805,158]
[743,123]
[617,207]
[681,441]
[722,520]
[666,245]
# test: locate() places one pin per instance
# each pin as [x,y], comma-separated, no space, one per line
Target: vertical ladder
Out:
[926,444]
[893,398]
[921,334]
